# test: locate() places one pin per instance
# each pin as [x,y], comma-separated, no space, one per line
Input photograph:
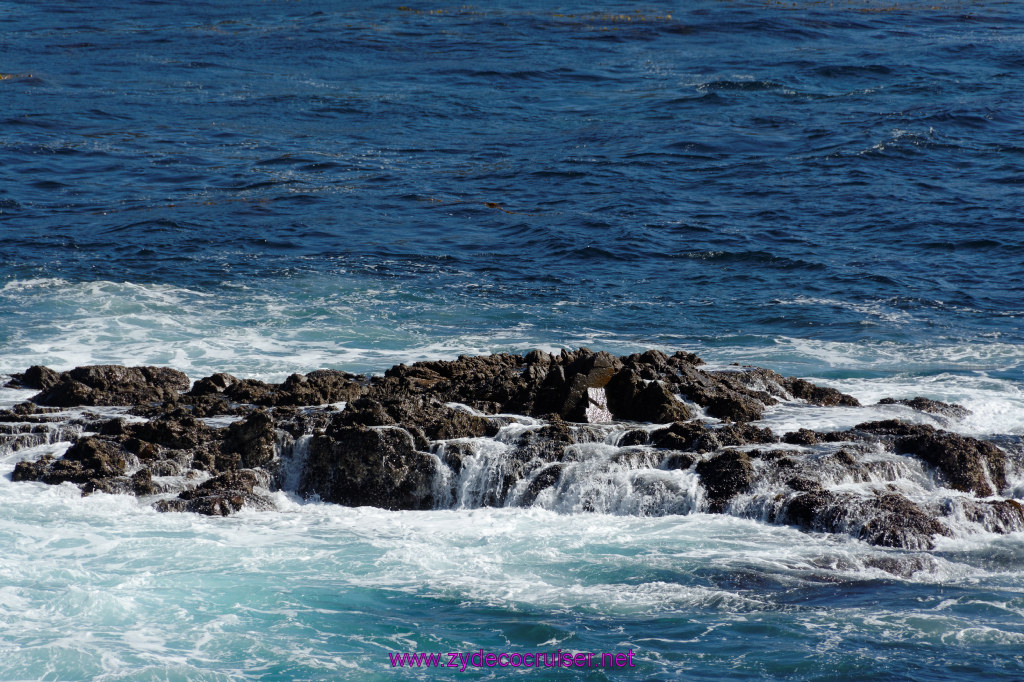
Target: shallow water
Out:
[264,188]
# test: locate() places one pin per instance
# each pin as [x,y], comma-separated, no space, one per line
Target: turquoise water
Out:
[104,588]
[268,187]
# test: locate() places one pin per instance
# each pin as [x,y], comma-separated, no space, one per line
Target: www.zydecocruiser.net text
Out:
[462,660]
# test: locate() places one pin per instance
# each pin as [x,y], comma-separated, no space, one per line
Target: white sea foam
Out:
[330,324]
[186,592]
[996,406]
[881,310]
[983,377]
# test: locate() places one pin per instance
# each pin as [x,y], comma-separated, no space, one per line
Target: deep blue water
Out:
[829,189]
[735,170]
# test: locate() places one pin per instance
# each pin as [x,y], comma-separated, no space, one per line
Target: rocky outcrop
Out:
[363,466]
[321,387]
[724,476]
[252,440]
[648,433]
[966,464]
[818,395]
[111,385]
[951,410]
[37,377]
[223,495]
[630,397]
[89,460]
[886,518]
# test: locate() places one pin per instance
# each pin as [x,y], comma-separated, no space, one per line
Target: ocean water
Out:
[831,190]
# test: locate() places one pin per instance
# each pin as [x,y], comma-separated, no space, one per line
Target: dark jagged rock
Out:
[653,365]
[725,476]
[734,407]
[168,446]
[565,388]
[37,376]
[210,405]
[783,459]
[621,390]
[172,442]
[818,395]
[995,516]
[142,483]
[360,466]
[887,519]
[222,495]
[888,427]
[752,382]
[298,422]
[321,387]
[639,387]
[32,470]
[87,459]
[252,391]
[177,430]
[634,437]
[686,436]
[98,457]
[425,417]
[494,383]
[586,373]
[800,437]
[962,460]
[110,485]
[366,412]
[844,458]
[809,437]
[722,394]
[804,484]
[742,434]
[113,385]
[930,406]
[252,439]
[718,398]
[968,464]
[453,454]
[678,460]
[214,384]
[629,397]
[545,479]
[536,385]
[28,411]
